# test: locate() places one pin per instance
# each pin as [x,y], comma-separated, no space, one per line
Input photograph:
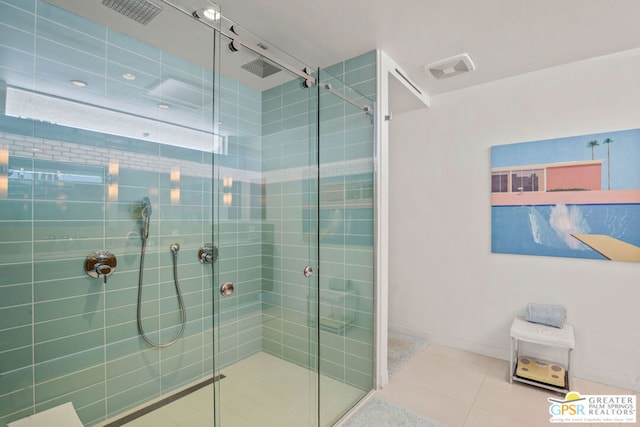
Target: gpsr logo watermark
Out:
[597,408]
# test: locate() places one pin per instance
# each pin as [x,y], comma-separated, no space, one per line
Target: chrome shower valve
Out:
[100,264]
[208,253]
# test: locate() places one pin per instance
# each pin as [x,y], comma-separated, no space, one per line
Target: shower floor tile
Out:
[261,390]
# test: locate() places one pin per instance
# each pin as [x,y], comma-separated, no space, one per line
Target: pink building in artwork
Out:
[578,182]
[575,175]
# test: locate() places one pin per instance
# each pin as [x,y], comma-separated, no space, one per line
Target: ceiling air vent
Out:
[450,67]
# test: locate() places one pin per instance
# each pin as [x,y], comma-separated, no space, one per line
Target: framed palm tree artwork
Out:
[575,197]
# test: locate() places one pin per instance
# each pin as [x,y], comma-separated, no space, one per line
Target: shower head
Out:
[141,11]
[145,211]
[260,68]
[145,207]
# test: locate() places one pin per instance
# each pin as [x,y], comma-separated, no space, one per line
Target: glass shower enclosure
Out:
[185,233]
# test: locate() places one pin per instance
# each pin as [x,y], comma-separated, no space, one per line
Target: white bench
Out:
[523,331]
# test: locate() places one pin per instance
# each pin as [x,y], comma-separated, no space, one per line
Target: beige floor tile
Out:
[253,415]
[428,403]
[274,391]
[580,385]
[479,417]
[458,376]
[232,418]
[202,402]
[524,403]
[184,416]
[593,387]
[499,369]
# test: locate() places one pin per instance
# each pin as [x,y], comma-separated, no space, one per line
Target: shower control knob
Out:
[208,253]
[100,264]
[102,270]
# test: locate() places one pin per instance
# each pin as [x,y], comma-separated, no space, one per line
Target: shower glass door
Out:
[266,224]
[293,221]
[346,236]
[106,142]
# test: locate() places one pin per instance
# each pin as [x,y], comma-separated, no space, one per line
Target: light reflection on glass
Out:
[4,172]
[227,187]
[175,185]
[112,180]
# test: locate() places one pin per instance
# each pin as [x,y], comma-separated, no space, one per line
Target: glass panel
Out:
[106,144]
[266,207]
[346,240]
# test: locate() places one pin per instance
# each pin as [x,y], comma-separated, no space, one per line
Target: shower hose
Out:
[174,250]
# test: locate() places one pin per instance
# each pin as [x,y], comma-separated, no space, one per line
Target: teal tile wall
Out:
[81,329]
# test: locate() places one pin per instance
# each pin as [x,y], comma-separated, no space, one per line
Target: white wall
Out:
[444,281]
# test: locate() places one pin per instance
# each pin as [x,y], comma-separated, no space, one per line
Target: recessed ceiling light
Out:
[129,76]
[211,14]
[164,106]
[207,13]
[78,83]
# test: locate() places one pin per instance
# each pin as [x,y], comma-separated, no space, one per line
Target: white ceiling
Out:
[503,37]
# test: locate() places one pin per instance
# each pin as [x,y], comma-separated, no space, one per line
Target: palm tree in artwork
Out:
[608,141]
[593,144]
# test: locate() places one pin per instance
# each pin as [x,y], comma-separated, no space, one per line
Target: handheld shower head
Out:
[145,211]
[145,206]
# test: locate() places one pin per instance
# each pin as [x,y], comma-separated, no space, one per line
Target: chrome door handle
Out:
[308,271]
[226,289]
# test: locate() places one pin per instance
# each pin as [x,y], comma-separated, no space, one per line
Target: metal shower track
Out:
[237,41]
[367,109]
